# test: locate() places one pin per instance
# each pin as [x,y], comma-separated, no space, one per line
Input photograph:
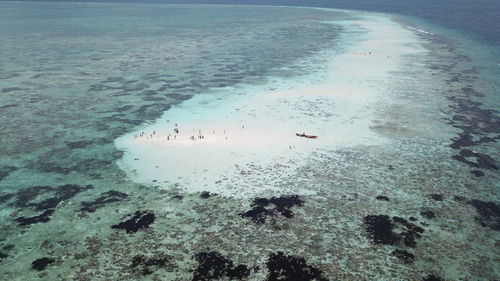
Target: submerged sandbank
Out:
[240,141]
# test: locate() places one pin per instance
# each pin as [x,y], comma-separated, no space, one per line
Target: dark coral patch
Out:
[62,193]
[12,89]
[206,194]
[428,214]
[482,160]
[105,198]
[214,266]
[47,204]
[140,220]
[410,232]
[119,118]
[404,256]
[476,124]
[471,118]
[78,144]
[284,204]
[42,263]
[144,265]
[382,198]
[152,111]
[8,106]
[43,217]
[488,213]
[460,199]
[26,198]
[3,256]
[433,278]
[179,97]
[291,268]
[152,98]
[258,214]
[5,171]
[477,173]
[437,197]
[381,229]
[263,207]
[49,167]
[114,79]
[464,139]
[123,108]
[239,272]
[6,197]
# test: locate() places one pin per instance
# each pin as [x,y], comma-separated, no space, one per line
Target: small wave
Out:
[420,30]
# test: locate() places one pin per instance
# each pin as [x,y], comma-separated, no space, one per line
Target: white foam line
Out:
[420,30]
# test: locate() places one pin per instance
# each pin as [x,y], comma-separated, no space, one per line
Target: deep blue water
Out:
[478,17]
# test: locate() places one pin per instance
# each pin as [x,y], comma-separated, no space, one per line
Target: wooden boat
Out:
[305,136]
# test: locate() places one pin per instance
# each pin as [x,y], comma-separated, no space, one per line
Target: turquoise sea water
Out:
[74,77]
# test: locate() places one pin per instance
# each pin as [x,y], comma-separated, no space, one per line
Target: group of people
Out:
[153,135]
[173,136]
[362,53]
[365,54]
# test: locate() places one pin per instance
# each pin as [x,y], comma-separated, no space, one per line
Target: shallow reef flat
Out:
[401,184]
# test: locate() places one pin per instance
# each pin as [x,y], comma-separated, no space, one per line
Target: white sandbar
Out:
[249,144]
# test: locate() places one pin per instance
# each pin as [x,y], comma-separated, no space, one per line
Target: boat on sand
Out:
[306,136]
